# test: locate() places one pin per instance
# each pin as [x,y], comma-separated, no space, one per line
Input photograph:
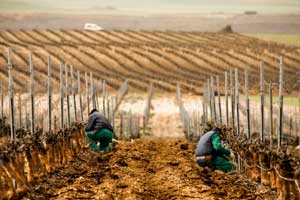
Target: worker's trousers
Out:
[221,163]
[104,136]
[218,163]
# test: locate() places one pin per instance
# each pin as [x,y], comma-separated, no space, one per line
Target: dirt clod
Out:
[184,146]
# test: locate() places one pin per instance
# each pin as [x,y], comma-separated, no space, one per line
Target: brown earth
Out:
[261,23]
[144,169]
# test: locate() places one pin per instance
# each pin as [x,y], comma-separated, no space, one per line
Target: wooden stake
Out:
[92,90]
[55,123]
[237,100]
[130,124]
[262,102]
[1,99]
[80,97]
[99,96]
[280,114]
[226,99]
[232,99]
[204,107]
[20,111]
[247,105]
[108,108]
[11,98]
[87,92]
[121,125]
[74,94]
[271,113]
[291,126]
[298,121]
[61,86]
[96,95]
[103,97]
[213,99]
[210,99]
[68,98]
[32,125]
[148,104]
[112,114]
[26,117]
[219,101]
[49,95]
[43,124]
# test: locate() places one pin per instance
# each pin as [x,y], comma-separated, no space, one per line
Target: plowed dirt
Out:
[144,169]
[160,166]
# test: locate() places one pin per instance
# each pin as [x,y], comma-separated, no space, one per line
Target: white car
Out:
[92,27]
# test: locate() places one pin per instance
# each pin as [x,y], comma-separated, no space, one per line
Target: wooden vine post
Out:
[73,93]
[87,92]
[298,121]
[271,113]
[61,89]
[11,97]
[247,104]
[219,100]
[147,108]
[204,105]
[96,93]
[80,97]
[226,99]
[103,97]
[1,99]
[26,117]
[108,108]
[49,95]
[129,127]
[210,99]
[237,100]
[92,90]
[262,102]
[113,98]
[232,98]
[32,124]
[213,99]
[280,111]
[67,96]
[20,110]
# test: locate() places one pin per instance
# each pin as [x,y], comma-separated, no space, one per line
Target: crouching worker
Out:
[98,130]
[211,154]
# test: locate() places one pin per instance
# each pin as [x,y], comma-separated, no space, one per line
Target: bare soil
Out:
[261,23]
[144,169]
[158,167]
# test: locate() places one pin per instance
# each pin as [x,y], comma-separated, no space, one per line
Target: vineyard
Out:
[144,57]
[161,91]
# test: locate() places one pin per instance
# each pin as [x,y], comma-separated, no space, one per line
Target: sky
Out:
[156,6]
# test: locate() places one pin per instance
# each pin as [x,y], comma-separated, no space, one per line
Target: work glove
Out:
[231,155]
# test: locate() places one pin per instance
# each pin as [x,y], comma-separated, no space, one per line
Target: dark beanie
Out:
[92,111]
[217,130]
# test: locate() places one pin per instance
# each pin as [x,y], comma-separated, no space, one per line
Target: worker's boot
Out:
[208,169]
[113,144]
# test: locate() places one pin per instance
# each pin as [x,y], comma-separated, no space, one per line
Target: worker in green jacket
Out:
[211,154]
[99,130]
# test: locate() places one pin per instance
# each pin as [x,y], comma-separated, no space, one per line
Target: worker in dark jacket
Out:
[211,154]
[100,130]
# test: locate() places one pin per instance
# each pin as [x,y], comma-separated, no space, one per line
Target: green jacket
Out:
[217,145]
